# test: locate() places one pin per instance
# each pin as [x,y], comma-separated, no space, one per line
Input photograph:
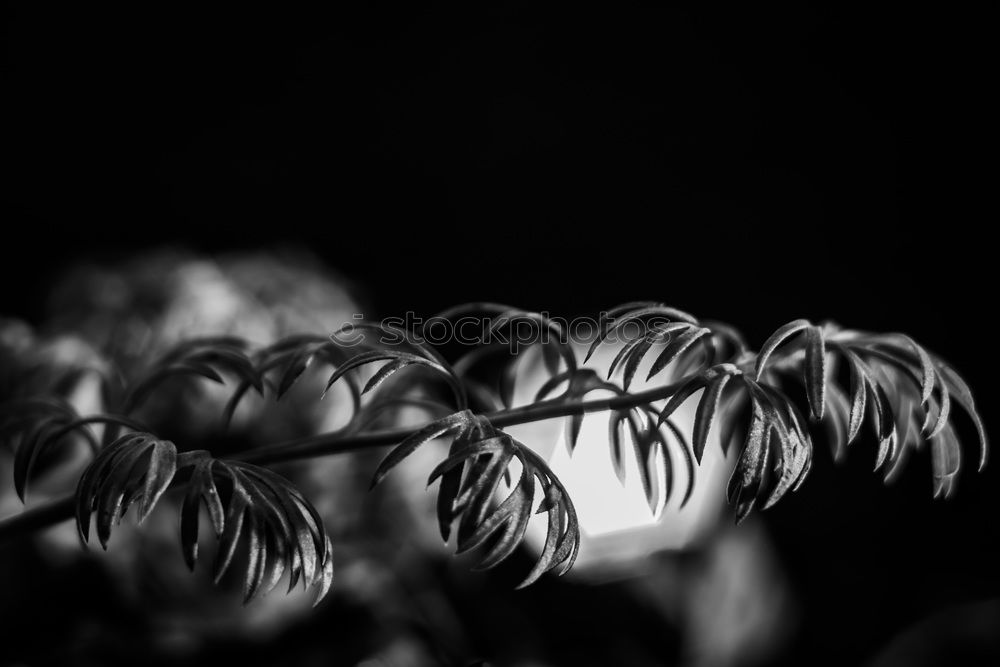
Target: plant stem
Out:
[37,518]
[333,443]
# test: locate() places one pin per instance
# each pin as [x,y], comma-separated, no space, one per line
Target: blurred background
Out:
[168,171]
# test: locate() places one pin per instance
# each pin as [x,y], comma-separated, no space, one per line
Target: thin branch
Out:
[36,518]
[327,444]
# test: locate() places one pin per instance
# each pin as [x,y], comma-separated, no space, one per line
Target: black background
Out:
[748,166]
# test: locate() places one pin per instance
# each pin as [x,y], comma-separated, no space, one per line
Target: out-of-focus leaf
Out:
[837,422]
[579,383]
[554,350]
[736,405]
[943,412]
[730,337]
[208,358]
[686,452]
[616,436]
[507,382]
[34,427]
[374,410]
[33,444]
[653,441]
[295,366]
[946,461]
[963,395]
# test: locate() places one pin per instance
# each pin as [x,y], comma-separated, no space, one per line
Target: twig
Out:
[327,444]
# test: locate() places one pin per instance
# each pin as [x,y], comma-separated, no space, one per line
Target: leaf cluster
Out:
[805,377]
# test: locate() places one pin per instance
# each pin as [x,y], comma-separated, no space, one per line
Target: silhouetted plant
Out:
[906,393]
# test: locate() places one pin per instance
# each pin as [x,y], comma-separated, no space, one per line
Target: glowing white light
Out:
[617,525]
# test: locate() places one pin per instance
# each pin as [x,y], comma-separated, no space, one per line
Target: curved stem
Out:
[333,443]
[330,443]
[37,518]
[107,420]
